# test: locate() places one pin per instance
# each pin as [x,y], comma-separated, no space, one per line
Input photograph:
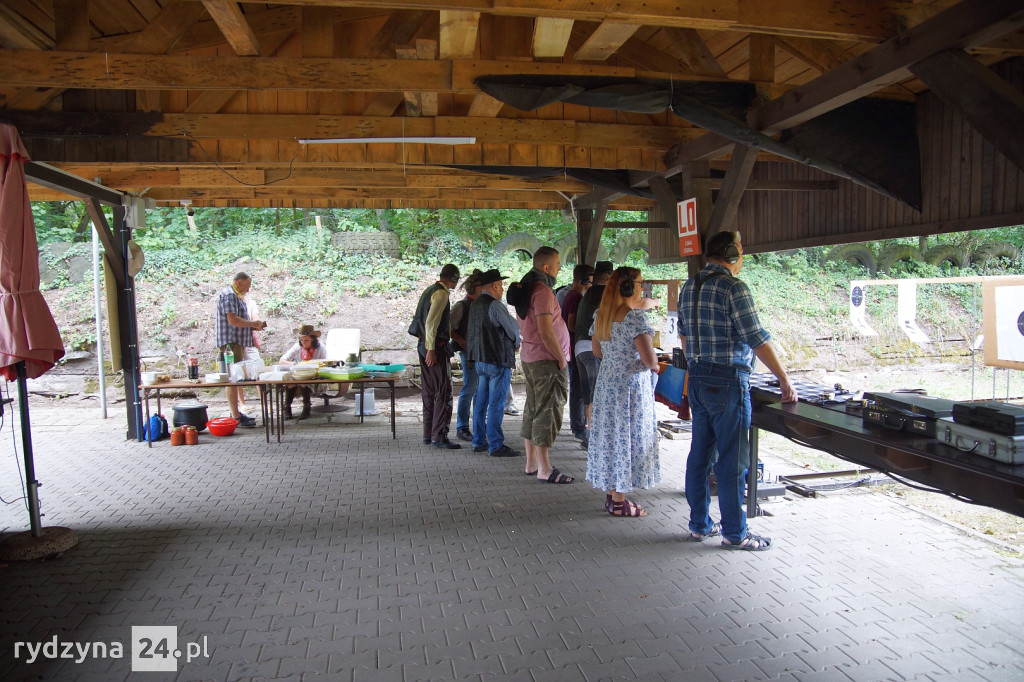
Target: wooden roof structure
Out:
[222,103]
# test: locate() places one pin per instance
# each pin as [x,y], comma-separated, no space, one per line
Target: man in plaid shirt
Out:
[234,331]
[721,334]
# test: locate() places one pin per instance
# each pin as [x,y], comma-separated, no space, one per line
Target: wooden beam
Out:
[605,40]
[229,18]
[667,200]
[723,216]
[969,23]
[989,103]
[551,37]
[71,20]
[111,242]
[176,72]
[302,126]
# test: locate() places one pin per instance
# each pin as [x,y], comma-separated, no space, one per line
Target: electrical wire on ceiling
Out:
[223,170]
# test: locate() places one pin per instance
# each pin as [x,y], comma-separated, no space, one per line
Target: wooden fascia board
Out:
[431,177]
[303,126]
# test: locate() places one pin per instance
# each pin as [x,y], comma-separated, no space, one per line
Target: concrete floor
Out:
[342,554]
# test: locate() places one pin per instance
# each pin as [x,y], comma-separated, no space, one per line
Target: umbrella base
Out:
[53,542]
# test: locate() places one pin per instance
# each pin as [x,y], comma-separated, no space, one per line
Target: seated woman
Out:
[307,349]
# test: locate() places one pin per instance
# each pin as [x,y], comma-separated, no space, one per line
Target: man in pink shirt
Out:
[544,354]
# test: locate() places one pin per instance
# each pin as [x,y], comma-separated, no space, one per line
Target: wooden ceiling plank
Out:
[551,37]
[458,34]
[229,18]
[212,101]
[71,22]
[696,54]
[173,22]
[820,55]
[989,103]
[605,40]
[762,58]
[16,32]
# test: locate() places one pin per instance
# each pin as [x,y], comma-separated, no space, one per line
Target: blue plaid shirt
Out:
[727,316]
[229,302]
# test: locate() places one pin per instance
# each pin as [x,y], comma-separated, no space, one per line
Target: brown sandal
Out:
[627,508]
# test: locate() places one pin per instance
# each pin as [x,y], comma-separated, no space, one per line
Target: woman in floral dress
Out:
[623,452]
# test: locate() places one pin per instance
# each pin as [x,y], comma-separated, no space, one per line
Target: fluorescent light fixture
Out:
[392,140]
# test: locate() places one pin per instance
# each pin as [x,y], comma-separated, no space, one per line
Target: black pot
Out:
[190,414]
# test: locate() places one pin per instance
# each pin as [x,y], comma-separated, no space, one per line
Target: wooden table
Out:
[276,392]
[188,384]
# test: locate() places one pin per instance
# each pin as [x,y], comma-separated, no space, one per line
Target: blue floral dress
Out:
[623,452]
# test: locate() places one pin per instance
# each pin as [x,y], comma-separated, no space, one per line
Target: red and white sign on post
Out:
[689,229]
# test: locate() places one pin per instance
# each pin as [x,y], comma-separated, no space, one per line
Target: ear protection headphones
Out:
[626,285]
[732,252]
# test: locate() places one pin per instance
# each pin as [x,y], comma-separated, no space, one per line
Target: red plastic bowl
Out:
[222,426]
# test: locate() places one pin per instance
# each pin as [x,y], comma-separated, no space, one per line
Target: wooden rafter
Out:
[229,18]
[551,36]
[605,40]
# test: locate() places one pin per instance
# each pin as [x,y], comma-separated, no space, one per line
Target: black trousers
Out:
[437,396]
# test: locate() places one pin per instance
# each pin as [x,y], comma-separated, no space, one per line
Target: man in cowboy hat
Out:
[493,337]
[307,349]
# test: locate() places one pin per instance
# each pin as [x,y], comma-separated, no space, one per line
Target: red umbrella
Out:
[29,341]
[27,330]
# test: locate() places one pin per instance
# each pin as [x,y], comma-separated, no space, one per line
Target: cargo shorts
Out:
[547,389]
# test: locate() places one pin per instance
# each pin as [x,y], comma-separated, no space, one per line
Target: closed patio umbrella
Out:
[30,343]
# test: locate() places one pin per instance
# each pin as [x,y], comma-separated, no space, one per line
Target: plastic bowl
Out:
[222,426]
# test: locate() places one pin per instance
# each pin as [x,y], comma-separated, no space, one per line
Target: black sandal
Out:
[558,478]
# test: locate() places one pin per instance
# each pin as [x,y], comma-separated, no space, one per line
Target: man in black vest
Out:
[493,336]
[431,325]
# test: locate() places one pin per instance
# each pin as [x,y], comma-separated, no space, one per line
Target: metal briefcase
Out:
[1007,449]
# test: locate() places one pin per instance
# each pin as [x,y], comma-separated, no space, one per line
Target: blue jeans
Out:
[720,406]
[469,382]
[489,408]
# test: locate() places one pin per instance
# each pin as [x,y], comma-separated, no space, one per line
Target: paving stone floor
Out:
[342,554]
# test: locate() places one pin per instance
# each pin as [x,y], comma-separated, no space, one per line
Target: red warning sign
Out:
[689,229]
